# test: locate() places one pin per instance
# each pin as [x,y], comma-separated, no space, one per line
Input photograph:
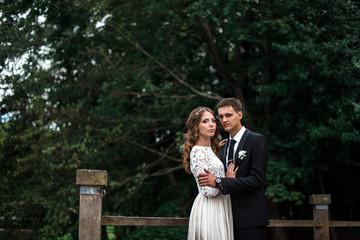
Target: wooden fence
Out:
[92,188]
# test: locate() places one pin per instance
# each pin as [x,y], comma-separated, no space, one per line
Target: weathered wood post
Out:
[320,204]
[92,183]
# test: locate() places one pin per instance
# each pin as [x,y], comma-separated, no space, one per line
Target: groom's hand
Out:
[206,179]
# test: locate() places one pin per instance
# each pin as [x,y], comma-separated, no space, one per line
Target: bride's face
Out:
[207,125]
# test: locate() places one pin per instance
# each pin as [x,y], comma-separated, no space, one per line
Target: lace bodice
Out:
[204,157]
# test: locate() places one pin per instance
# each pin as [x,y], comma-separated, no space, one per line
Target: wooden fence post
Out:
[320,204]
[92,183]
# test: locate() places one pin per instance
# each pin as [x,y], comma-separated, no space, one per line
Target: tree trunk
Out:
[276,233]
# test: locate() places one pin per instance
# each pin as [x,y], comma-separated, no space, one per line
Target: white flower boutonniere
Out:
[242,154]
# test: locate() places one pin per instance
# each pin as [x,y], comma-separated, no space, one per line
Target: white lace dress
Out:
[211,216]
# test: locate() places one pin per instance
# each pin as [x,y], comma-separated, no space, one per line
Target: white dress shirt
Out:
[237,138]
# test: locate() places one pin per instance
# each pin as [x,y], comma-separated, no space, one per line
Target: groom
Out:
[249,151]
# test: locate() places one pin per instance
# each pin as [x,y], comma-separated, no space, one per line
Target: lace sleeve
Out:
[199,160]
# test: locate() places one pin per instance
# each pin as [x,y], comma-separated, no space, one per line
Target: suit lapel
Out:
[241,145]
[223,154]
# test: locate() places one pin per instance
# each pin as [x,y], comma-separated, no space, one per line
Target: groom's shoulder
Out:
[255,135]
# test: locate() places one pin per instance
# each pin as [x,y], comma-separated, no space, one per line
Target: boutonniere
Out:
[242,154]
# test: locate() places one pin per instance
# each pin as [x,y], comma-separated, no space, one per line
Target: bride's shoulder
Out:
[199,152]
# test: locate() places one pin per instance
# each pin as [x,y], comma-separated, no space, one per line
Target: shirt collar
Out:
[238,136]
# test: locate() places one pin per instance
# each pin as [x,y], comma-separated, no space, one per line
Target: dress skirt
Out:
[211,218]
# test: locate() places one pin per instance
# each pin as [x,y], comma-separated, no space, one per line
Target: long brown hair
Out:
[192,125]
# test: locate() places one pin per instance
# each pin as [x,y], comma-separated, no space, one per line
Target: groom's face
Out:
[229,119]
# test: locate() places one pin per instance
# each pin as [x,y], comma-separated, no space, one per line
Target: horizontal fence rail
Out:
[174,221]
[92,189]
[143,221]
[294,223]
[344,223]
[171,221]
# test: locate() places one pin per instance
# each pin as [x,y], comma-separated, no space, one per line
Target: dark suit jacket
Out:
[247,190]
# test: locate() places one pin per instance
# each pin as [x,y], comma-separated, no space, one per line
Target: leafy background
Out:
[109,85]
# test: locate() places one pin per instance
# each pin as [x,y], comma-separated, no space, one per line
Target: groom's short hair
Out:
[233,102]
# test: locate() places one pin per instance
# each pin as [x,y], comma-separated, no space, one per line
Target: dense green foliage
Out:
[109,85]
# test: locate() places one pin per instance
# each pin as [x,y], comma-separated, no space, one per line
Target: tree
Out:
[109,86]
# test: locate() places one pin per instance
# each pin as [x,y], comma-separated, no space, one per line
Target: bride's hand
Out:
[222,143]
[231,171]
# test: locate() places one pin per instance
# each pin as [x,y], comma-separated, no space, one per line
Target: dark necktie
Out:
[231,151]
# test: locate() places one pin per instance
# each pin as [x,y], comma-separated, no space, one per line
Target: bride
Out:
[211,215]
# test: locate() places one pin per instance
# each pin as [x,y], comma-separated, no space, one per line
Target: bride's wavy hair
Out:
[192,125]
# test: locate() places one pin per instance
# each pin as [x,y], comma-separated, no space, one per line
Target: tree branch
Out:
[214,55]
[180,78]
[154,151]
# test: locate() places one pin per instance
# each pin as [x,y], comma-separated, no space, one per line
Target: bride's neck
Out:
[205,142]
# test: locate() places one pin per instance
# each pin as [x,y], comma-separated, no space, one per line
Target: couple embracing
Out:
[230,175]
